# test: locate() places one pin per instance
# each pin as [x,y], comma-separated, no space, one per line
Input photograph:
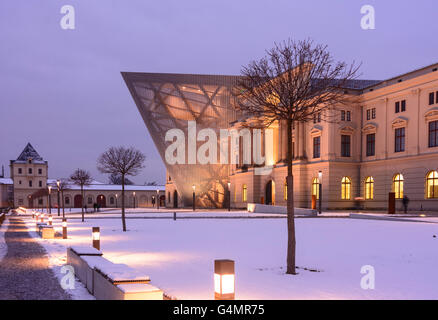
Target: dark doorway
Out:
[101,201]
[175,199]
[30,202]
[162,201]
[78,201]
[269,194]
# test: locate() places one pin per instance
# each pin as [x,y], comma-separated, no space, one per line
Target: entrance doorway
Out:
[78,201]
[101,201]
[175,199]
[270,193]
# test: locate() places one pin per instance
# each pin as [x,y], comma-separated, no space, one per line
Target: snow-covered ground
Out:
[3,245]
[178,255]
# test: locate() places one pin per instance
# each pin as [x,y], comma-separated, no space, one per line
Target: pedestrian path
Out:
[24,271]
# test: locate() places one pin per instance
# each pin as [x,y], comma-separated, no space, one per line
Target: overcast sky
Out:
[62,90]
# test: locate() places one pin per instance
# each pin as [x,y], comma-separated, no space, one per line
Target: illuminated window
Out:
[285,190]
[315,188]
[397,186]
[346,188]
[369,188]
[244,193]
[432,185]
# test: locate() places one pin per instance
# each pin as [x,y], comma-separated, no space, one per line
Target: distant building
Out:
[386,142]
[29,184]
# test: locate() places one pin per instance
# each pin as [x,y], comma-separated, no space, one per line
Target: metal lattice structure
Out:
[167,101]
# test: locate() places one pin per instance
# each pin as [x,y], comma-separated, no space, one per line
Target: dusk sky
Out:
[62,91]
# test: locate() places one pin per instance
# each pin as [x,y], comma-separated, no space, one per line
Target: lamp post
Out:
[224,280]
[59,208]
[194,197]
[50,199]
[320,191]
[64,228]
[229,196]
[50,219]
[96,237]
[158,199]
[116,200]
[63,203]
[134,198]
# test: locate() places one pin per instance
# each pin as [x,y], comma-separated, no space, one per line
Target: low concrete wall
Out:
[263,208]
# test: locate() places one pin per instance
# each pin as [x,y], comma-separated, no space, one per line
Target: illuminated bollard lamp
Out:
[42,217]
[96,237]
[50,219]
[64,228]
[224,280]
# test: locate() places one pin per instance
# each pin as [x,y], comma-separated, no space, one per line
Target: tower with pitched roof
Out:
[29,174]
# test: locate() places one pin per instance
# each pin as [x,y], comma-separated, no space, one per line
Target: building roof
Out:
[29,152]
[100,186]
[6,181]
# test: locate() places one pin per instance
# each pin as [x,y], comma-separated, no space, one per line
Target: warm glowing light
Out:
[224,284]
[57,183]
[96,235]
[50,218]
[50,189]
[229,185]
[320,175]
[64,224]
[224,280]
[193,187]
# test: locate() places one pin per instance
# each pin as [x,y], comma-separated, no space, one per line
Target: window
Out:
[397,186]
[30,170]
[400,140]
[400,106]
[371,144]
[433,134]
[40,171]
[67,200]
[19,181]
[373,113]
[345,145]
[20,171]
[315,188]
[111,200]
[30,183]
[348,116]
[368,114]
[285,190]
[317,117]
[90,200]
[346,188]
[316,147]
[40,184]
[342,115]
[431,98]
[244,193]
[369,188]
[432,185]
[40,201]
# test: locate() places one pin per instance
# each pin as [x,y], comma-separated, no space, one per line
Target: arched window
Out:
[285,190]
[346,188]
[112,200]
[90,200]
[244,193]
[397,185]
[432,185]
[315,188]
[369,188]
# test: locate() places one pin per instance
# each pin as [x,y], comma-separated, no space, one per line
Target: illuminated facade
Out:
[387,142]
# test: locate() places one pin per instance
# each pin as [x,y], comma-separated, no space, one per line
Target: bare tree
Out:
[62,186]
[121,161]
[81,178]
[294,82]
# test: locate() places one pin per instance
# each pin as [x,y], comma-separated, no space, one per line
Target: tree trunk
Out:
[63,204]
[123,203]
[83,200]
[291,243]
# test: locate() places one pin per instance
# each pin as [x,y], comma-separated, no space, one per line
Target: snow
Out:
[3,245]
[179,255]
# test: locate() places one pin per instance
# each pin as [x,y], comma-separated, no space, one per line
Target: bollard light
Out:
[194,197]
[96,237]
[42,217]
[64,228]
[224,280]
[50,219]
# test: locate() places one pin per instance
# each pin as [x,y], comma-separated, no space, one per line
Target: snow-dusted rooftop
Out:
[6,181]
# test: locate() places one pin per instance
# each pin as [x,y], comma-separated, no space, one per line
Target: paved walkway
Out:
[24,271]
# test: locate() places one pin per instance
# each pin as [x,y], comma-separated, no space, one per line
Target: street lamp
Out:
[229,196]
[134,198]
[320,191]
[116,200]
[58,183]
[64,228]
[50,199]
[194,197]
[96,237]
[158,199]
[224,280]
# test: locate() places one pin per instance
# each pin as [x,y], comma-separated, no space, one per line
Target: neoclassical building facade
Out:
[386,141]
[29,187]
